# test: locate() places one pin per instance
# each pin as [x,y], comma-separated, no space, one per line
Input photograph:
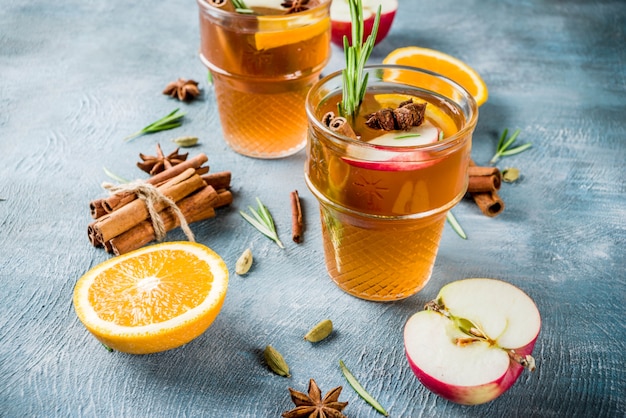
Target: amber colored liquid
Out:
[261,78]
[381,226]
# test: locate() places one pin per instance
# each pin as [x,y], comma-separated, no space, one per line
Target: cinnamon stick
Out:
[195,207]
[224,198]
[96,208]
[338,125]
[489,203]
[220,180]
[483,186]
[297,223]
[118,200]
[129,215]
[484,179]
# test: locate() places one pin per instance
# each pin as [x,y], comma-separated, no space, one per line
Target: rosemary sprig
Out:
[456,226]
[504,143]
[171,121]
[357,54]
[360,390]
[114,176]
[240,7]
[262,220]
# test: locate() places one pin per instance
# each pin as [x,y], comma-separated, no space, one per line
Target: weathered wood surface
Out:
[78,76]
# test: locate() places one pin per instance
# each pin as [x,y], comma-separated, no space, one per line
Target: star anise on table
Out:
[314,406]
[295,6]
[182,89]
[155,164]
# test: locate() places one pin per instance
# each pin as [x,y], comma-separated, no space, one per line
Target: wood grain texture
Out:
[78,76]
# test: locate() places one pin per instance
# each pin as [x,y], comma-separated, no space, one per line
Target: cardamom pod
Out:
[185,141]
[244,262]
[510,175]
[319,331]
[275,361]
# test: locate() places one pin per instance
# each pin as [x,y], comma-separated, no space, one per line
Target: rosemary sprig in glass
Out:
[171,121]
[262,220]
[504,143]
[361,390]
[240,7]
[357,54]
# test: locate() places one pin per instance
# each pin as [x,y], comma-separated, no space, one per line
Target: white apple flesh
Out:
[382,157]
[472,343]
[341,22]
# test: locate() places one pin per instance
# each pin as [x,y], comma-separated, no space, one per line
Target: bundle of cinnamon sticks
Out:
[483,186]
[122,221]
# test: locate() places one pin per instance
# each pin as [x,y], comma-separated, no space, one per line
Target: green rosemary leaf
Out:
[262,220]
[357,53]
[114,176]
[504,144]
[407,136]
[360,390]
[171,121]
[209,77]
[456,226]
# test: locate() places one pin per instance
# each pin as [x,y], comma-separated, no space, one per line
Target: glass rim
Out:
[205,6]
[440,145]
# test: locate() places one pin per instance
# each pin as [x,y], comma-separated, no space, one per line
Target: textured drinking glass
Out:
[383,208]
[262,68]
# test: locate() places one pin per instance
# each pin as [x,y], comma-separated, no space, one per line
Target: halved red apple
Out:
[473,341]
[341,23]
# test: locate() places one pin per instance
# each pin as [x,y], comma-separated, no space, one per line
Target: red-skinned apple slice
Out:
[341,23]
[380,157]
[472,343]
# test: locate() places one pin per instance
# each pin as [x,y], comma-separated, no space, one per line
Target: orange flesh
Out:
[126,298]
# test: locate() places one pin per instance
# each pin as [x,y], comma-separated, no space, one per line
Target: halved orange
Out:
[152,299]
[444,64]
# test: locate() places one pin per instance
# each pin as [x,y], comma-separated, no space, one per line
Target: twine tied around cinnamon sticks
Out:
[125,221]
[151,196]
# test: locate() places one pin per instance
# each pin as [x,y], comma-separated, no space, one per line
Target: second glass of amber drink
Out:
[263,62]
[384,195]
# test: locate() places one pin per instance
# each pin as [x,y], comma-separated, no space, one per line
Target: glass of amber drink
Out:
[263,62]
[384,195]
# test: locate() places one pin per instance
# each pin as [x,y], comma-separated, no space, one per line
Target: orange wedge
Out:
[444,64]
[275,31]
[152,299]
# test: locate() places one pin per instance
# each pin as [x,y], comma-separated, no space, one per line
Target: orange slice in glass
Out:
[275,31]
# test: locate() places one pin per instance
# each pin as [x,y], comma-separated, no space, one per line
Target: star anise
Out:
[313,406]
[155,164]
[295,6]
[182,89]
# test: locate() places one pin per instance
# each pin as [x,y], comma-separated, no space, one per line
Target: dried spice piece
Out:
[405,116]
[313,405]
[275,361]
[295,6]
[158,163]
[185,141]
[320,331]
[338,124]
[182,89]
[244,262]
[297,220]
[510,174]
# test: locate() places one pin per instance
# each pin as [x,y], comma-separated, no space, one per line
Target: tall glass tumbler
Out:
[263,65]
[383,207]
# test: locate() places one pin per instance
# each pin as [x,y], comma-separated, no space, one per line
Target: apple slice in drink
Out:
[378,155]
[341,22]
[472,343]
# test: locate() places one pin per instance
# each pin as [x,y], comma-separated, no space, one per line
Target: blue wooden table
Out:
[78,76]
